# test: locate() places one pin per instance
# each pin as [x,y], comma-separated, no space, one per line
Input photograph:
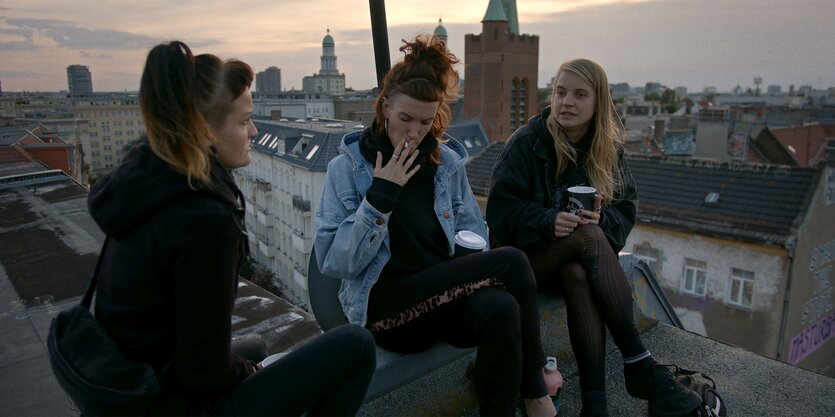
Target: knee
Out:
[592,234]
[358,340]
[512,255]
[518,265]
[501,313]
[573,274]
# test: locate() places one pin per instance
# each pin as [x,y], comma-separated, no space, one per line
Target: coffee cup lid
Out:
[581,189]
[469,240]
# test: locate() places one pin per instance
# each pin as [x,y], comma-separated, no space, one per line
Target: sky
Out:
[690,43]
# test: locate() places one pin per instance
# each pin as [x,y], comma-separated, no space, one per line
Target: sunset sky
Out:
[692,43]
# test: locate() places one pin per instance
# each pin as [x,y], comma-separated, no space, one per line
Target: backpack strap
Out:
[682,371]
[94,277]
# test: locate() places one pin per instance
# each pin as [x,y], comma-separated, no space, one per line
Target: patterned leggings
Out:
[486,300]
[597,295]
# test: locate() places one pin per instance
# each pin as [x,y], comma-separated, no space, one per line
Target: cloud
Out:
[71,35]
[26,45]
[22,39]
[86,54]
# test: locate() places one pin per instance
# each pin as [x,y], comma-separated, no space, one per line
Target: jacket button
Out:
[379,221]
[446,214]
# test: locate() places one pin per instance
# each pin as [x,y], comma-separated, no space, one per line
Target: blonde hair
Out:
[601,165]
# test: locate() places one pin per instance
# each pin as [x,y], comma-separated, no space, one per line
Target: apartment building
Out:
[113,123]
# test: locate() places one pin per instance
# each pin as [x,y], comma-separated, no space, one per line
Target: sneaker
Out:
[666,396]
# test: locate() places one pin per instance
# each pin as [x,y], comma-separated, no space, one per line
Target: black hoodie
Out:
[169,274]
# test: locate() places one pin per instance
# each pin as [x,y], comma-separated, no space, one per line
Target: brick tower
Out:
[500,72]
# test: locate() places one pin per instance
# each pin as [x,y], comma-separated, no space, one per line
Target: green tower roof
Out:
[495,12]
[440,31]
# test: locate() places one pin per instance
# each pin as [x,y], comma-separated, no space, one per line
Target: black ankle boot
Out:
[594,404]
[655,383]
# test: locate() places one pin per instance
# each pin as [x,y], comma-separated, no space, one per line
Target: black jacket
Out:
[169,275]
[520,206]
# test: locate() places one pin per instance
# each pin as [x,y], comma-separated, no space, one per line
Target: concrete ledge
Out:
[750,384]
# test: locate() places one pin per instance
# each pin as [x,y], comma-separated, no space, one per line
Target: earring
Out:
[386,125]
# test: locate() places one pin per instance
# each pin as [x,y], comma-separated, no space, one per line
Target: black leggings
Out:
[597,295]
[501,319]
[327,376]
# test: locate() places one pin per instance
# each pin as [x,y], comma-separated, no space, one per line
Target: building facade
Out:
[268,81]
[501,73]
[744,252]
[113,123]
[79,81]
[283,186]
[37,143]
[293,105]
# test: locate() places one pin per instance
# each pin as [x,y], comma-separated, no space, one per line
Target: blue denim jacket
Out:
[352,241]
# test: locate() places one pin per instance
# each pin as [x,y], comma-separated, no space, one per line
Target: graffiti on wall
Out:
[679,143]
[818,309]
[820,268]
[811,339]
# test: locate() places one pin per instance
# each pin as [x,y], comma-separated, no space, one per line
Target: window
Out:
[650,255]
[741,288]
[695,276]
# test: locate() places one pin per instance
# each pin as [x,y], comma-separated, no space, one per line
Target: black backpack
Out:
[712,404]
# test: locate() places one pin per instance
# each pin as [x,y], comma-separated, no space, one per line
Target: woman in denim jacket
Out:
[392,203]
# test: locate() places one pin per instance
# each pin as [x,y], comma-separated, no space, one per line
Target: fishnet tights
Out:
[585,269]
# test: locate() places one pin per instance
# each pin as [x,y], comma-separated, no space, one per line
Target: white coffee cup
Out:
[467,242]
[272,358]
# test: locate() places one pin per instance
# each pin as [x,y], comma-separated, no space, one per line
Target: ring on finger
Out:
[396,157]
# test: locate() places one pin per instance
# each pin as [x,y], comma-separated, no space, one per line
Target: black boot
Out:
[654,382]
[594,404]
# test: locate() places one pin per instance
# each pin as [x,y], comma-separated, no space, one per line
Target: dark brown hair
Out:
[426,73]
[182,97]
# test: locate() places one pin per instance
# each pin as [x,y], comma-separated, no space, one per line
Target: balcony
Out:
[265,218]
[301,204]
[265,249]
[262,185]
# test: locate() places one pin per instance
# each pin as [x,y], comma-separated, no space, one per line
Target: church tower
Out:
[500,72]
[328,66]
[328,80]
[440,33]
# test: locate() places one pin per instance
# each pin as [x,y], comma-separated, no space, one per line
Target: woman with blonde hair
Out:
[577,142]
[176,239]
[393,201]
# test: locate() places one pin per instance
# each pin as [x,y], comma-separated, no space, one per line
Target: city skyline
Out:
[675,42]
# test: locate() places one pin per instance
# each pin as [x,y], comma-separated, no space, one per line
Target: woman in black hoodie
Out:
[577,142]
[169,272]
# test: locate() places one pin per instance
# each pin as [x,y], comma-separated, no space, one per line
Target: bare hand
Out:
[565,223]
[398,170]
[592,217]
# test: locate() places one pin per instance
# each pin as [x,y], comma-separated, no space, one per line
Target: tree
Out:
[260,276]
[669,97]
